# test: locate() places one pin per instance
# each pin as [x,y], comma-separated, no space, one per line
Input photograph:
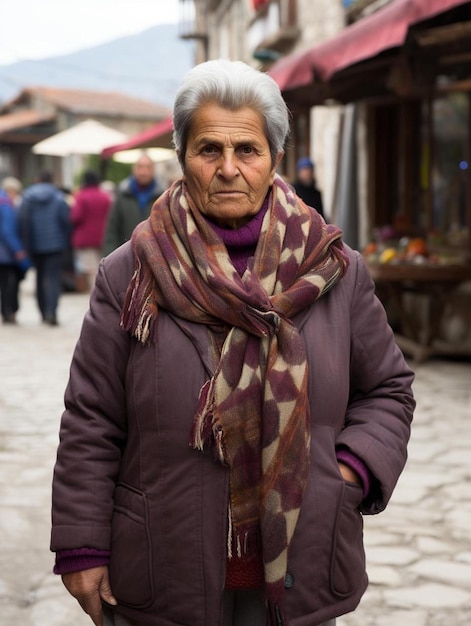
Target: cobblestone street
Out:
[418,550]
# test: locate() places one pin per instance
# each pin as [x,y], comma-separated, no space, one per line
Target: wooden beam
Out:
[443,34]
[461,85]
[454,59]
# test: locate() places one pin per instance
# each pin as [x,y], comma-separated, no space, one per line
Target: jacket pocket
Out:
[130,561]
[348,555]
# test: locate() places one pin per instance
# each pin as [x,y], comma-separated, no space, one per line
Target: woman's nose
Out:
[228,167]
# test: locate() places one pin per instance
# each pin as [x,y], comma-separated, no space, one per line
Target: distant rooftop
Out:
[86,102]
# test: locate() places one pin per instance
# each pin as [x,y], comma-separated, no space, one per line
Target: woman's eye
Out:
[247,149]
[209,150]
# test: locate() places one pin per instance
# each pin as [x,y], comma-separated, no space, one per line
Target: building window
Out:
[274,26]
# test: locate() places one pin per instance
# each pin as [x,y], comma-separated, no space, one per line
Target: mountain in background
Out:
[148,65]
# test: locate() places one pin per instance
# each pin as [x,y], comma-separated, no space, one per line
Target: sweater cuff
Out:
[68,561]
[356,464]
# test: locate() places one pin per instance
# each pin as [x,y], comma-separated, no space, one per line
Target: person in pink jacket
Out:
[89,216]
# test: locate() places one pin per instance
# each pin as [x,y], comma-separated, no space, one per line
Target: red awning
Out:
[384,30]
[158,136]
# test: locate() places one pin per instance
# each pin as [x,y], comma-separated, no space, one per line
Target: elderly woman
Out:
[236,399]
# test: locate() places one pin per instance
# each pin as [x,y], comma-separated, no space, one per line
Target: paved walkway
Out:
[418,550]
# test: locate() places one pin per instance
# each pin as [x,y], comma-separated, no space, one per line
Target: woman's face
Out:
[228,167]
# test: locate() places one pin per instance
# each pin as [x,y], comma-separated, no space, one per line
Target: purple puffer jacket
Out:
[126,479]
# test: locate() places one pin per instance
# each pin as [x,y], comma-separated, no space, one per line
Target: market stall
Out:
[420,214]
[405,69]
[428,305]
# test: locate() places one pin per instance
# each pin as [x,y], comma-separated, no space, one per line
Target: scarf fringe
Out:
[144,324]
[206,431]
[139,311]
[242,544]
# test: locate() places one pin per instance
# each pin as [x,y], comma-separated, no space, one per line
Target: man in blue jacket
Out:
[46,226]
[133,203]
[14,261]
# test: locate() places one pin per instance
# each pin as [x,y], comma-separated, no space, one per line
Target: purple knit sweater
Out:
[240,244]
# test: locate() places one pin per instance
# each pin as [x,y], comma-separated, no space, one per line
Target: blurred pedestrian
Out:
[14,260]
[13,188]
[305,185]
[236,399]
[46,226]
[133,202]
[89,214]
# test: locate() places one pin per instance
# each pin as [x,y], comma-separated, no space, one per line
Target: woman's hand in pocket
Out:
[90,588]
[349,474]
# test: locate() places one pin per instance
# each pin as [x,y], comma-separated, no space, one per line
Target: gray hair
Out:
[9,182]
[232,85]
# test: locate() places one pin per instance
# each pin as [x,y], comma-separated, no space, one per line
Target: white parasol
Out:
[88,137]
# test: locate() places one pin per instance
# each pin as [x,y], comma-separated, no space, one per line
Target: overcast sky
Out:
[34,29]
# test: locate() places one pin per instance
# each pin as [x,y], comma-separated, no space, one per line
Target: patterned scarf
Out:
[254,412]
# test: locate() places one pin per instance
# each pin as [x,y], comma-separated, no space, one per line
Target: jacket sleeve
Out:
[93,425]
[381,403]
[9,230]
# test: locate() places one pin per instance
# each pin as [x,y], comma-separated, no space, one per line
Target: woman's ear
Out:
[181,161]
[279,156]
